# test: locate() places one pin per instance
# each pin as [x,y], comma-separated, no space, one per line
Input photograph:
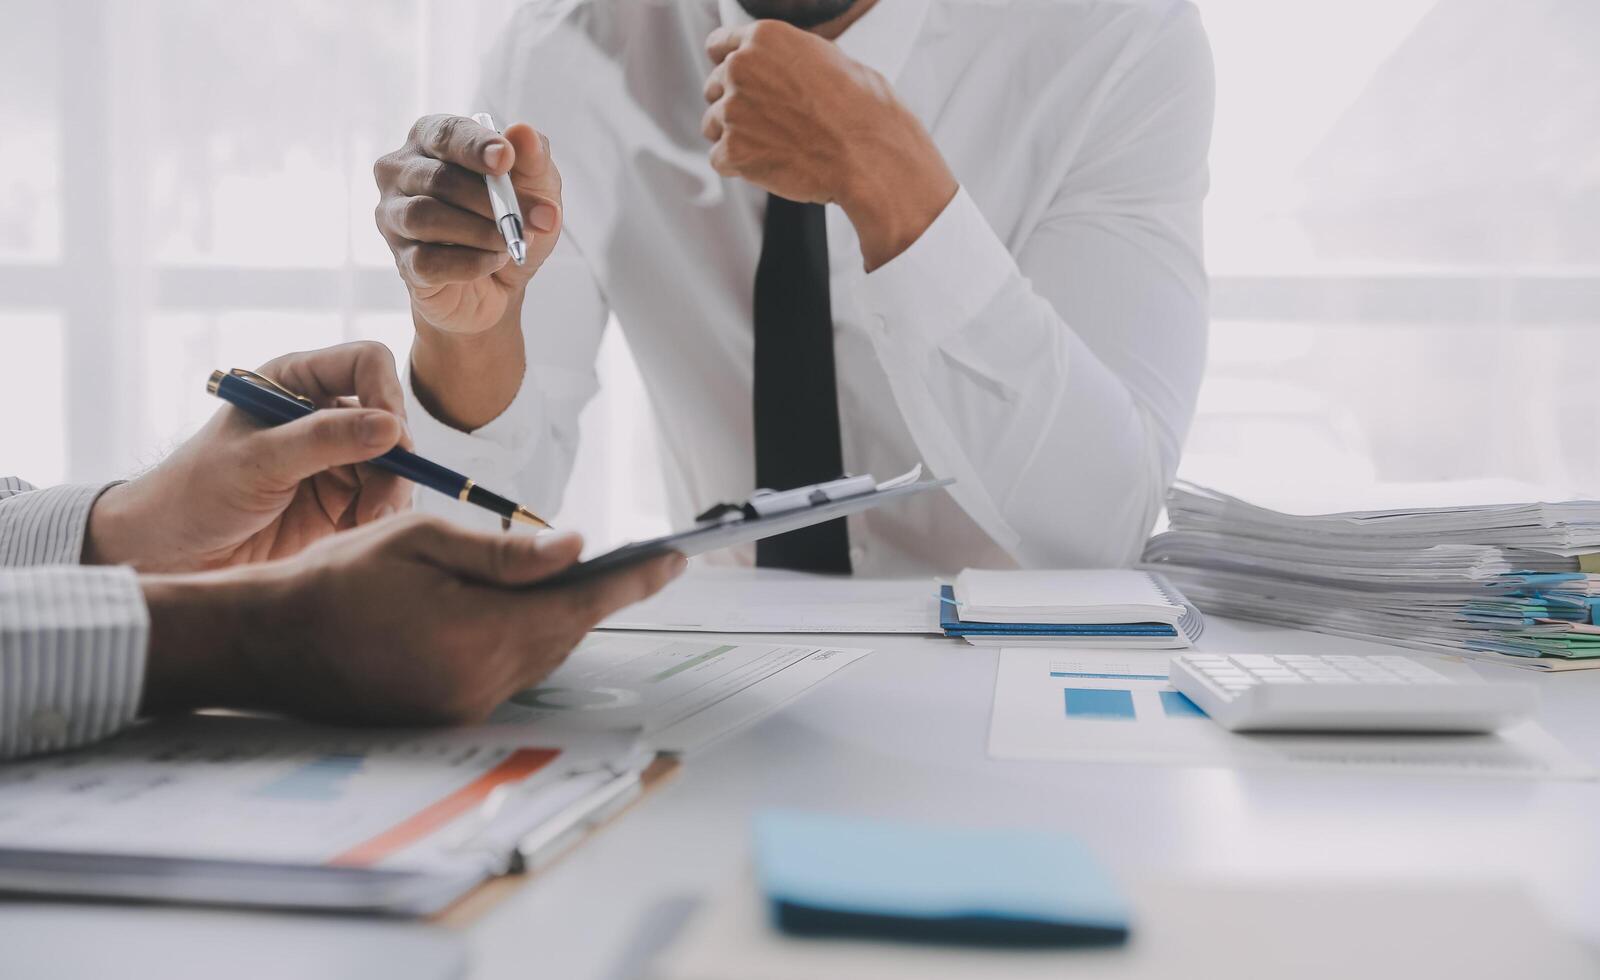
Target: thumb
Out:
[325,439]
[536,179]
[493,559]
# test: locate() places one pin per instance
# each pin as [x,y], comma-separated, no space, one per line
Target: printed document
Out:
[1135,716]
[681,694]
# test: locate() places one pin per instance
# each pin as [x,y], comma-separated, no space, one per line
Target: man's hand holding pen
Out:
[274,582]
[466,293]
[238,492]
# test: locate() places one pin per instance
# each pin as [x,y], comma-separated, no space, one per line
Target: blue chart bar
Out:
[318,779]
[1179,706]
[1109,677]
[1083,702]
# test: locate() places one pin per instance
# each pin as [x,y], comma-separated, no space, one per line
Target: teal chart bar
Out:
[1179,706]
[1109,677]
[1084,702]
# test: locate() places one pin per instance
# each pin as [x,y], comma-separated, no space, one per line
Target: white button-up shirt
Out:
[1042,341]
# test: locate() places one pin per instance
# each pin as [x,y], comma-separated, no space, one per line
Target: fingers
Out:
[365,369]
[536,179]
[430,266]
[289,453]
[459,140]
[712,122]
[716,84]
[382,494]
[492,559]
[593,601]
[448,182]
[429,219]
[724,41]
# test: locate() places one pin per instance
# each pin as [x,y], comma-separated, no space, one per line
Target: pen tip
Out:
[519,252]
[523,515]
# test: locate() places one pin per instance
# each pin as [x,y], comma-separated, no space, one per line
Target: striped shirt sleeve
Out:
[72,639]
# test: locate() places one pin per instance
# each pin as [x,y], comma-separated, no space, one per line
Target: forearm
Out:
[523,448]
[467,380]
[897,183]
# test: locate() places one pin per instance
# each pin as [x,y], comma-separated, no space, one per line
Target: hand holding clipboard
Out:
[765,514]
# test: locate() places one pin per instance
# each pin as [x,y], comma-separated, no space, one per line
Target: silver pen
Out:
[503,201]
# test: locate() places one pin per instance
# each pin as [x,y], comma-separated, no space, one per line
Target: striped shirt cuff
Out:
[72,655]
[44,527]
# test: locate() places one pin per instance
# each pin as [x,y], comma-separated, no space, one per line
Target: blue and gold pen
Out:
[271,403]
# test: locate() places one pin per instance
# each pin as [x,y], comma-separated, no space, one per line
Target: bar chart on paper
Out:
[1099,687]
[1099,706]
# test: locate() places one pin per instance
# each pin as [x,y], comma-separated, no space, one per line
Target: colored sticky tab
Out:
[840,876]
[1589,563]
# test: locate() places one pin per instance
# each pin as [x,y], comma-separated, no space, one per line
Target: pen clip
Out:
[265,382]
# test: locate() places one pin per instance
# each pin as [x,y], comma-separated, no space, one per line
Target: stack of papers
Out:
[1506,582]
[1095,607]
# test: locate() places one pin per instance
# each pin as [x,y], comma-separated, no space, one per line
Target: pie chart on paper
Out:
[576,698]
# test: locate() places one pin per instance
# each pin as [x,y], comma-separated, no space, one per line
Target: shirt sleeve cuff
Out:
[72,655]
[489,455]
[943,281]
[46,527]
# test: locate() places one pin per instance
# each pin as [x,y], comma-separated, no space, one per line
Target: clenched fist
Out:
[793,114]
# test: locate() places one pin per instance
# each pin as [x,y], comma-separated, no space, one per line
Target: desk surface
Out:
[903,733]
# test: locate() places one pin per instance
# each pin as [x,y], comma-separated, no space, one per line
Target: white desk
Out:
[903,733]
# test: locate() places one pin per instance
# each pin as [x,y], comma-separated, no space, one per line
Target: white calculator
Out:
[1294,692]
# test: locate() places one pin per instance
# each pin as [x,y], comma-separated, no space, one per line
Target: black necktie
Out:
[796,399]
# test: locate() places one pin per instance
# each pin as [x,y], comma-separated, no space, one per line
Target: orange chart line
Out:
[517,766]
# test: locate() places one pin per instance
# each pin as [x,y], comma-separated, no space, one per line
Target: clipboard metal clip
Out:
[766,503]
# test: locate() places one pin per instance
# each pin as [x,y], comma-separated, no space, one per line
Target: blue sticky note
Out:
[841,876]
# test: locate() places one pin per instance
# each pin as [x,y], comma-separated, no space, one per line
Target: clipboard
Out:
[520,806]
[727,525]
[477,902]
[453,900]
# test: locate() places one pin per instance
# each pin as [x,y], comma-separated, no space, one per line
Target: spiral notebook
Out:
[1077,607]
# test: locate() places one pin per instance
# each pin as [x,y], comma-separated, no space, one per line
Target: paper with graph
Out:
[1092,706]
[680,693]
[252,789]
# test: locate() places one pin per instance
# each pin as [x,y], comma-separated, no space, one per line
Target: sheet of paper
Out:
[681,694]
[280,791]
[765,600]
[1091,706]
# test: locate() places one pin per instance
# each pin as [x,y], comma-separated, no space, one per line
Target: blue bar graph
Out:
[1083,702]
[1177,705]
[319,779]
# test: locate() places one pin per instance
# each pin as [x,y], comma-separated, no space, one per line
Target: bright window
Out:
[1404,231]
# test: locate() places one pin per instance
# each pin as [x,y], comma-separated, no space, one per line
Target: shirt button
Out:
[48,724]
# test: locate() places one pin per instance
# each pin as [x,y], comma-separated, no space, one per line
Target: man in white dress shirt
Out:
[217,580]
[1006,281]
